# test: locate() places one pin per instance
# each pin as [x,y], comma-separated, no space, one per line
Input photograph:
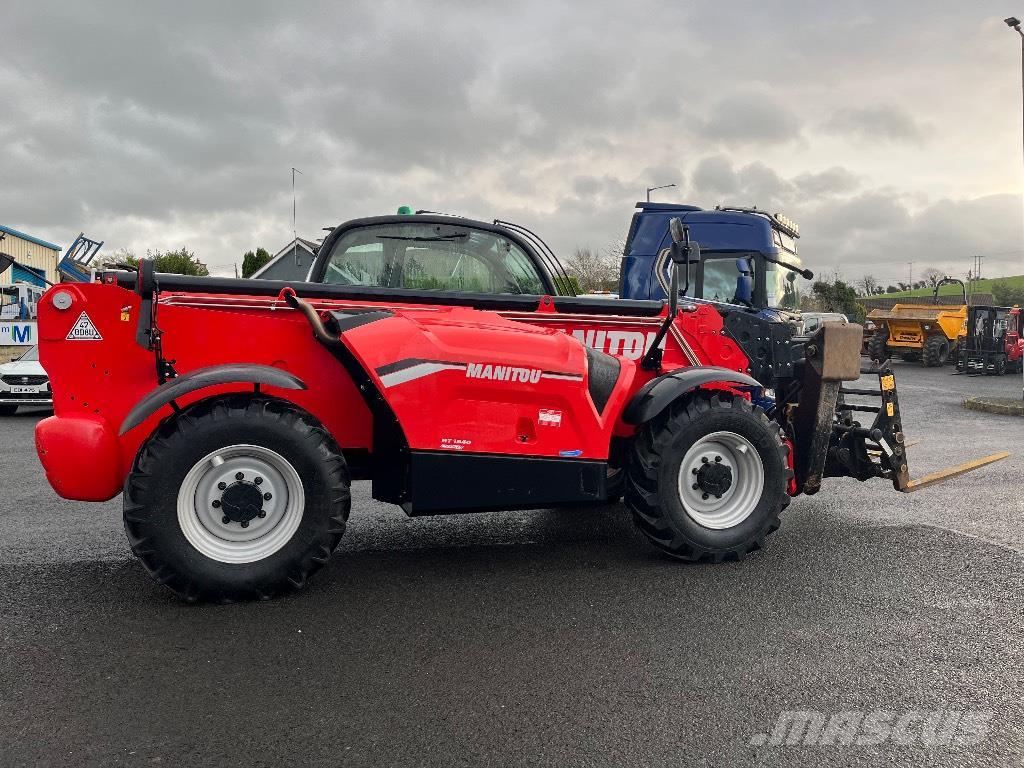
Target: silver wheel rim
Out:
[739,501]
[202,520]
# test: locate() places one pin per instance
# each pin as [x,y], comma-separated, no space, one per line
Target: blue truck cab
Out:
[739,248]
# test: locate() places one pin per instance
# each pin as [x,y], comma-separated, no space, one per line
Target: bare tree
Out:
[868,285]
[593,270]
[932,276]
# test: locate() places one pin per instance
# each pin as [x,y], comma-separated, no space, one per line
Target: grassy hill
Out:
[980,286]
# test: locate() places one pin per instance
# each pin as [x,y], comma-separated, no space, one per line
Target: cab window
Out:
[432,257]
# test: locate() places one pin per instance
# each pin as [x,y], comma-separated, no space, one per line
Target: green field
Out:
[980,286]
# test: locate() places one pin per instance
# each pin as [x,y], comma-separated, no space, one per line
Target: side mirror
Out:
[686,253]
[5,262]
[684,250]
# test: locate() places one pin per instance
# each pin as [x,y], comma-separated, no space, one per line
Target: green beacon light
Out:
[405,210]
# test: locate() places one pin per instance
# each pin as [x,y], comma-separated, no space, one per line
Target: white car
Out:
[24,382]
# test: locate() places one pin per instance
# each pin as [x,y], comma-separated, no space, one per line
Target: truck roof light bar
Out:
[783,222]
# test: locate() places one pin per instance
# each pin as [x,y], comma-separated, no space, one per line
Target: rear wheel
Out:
[6,409]
[708,478]
[936,351]
[236,498]
[876,347]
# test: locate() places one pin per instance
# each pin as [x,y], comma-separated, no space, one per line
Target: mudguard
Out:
[239,373]
[655,395]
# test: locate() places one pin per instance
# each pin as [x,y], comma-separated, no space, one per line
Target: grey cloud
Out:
[831,181]
[715,179]
[149,125]
[884,122]
[750,118]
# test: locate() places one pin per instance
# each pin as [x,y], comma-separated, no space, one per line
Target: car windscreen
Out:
[31,356]
[432,257]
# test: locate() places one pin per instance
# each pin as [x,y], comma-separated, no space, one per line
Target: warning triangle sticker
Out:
[84,330]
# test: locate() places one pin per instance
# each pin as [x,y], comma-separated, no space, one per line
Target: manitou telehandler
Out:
[430,356]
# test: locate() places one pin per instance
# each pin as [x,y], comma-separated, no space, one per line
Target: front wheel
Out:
[236,498]
[708,478]
[935,352]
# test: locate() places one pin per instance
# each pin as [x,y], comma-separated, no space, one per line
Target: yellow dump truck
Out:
[926,332]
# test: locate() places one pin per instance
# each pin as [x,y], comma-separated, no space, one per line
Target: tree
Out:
[593,271]
[892,289]
[253,261]
[932,276]
[837,296]
[1006,294]
[868,285]
[179,262]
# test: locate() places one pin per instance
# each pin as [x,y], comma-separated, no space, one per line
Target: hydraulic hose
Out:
[320,332]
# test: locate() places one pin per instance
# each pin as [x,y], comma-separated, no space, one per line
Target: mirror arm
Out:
[806,274]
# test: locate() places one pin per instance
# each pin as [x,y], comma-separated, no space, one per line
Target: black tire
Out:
[180,443]
[876,347]
[6,409]
[652,482]
[1001,366]
[935,352]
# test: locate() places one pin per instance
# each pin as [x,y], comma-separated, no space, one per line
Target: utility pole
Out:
[1014,23]
[910,276]
[295,236]
[651,189]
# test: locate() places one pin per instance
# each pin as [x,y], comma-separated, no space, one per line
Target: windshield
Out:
[785,287]
[432,257]
[719,279]
[31,356]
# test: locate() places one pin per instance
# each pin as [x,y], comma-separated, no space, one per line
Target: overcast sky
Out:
[891,131]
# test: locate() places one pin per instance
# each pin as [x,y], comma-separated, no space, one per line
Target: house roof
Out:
[30,238]
[307,245]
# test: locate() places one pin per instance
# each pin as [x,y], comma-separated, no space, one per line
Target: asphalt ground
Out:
[552,637]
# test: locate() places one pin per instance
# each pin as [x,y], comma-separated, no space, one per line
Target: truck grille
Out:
[15,380]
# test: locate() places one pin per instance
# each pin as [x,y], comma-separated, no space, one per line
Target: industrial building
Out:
[38,257]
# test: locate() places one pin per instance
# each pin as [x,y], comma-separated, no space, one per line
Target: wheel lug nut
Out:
[267,496]
[222,486]
[704,496]
[718,459]
[245,523]
[703,459]
[239,476]
[225,519]
[262,514]
[694,470]
[258,481]
[695,486]
[216,504]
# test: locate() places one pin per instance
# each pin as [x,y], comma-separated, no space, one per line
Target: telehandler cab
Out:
[432,359]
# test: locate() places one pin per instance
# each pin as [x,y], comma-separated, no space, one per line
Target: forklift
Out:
[993,343]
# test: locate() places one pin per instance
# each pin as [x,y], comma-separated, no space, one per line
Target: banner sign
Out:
[18,334]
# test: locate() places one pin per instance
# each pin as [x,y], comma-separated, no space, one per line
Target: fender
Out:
[239,373]
[655,395]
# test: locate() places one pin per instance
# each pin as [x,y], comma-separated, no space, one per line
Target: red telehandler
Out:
[431,355]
